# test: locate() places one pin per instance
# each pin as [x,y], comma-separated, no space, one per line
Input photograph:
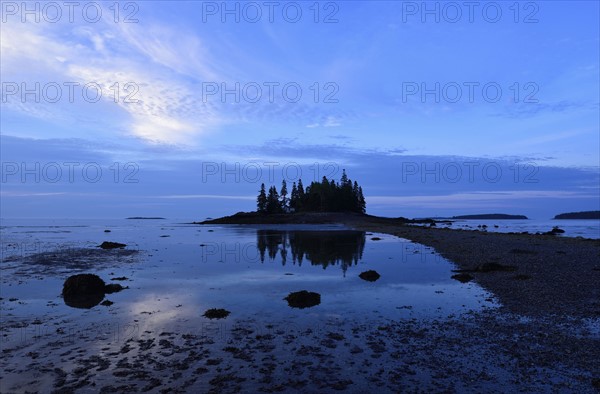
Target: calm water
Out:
[182,270]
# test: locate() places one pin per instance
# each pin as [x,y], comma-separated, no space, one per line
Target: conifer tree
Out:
[261,200]
[273,204]
[294,197]
[283,193]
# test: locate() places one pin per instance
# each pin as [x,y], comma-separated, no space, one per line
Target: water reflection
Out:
[323,248]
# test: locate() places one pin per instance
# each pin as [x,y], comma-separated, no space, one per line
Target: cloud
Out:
[141,74]
[480,198]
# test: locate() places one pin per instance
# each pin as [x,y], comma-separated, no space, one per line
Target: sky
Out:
[182,109]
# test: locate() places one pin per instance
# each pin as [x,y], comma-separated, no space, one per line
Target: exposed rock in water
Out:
[369,275]
[106,303]
[215,313]
[375,239]
[111,245]
[86,290]
[303,299]
[83,291]
[107,231]
[113,288]
[463,277]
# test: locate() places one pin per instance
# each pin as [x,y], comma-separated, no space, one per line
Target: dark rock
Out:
[107,231]
[557,230]
[83,291]
[303,299]
[521,277]
[113,288]
[375,239]
[106,303]
[369,275]
[216,313]
[111,245]
[463,277]
[86,290]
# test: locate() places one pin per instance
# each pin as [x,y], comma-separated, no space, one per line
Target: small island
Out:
[579,215]
[492,216]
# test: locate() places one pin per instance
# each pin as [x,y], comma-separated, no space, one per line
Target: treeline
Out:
[324,196]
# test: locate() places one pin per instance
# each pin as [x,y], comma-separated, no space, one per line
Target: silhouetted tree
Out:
[362,204]
[324,196]
[273,204]
[283,193]
[261,200]
[294,197]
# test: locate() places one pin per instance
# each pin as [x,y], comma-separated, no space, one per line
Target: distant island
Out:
[491,216]
[144,218]
[579,215]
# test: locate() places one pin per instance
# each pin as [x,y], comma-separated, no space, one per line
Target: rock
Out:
[375,239]
[303,299]
[111,245]
[107,231]
[83,291]
[463,277]
[87,290]
[216,313]
[557,230]
[113,288]
[106,303]
[370,275]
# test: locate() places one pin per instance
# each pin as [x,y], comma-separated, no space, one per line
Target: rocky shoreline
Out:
[553,275]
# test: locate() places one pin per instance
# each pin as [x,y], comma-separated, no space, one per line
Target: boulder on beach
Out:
[303,299]
[111,245]
[86,290]
[370,275]
[83,291]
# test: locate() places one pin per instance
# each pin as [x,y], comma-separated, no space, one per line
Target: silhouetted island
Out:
[311,218]
[492,216]
[579,215]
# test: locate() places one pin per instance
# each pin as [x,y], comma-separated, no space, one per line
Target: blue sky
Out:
[435,108]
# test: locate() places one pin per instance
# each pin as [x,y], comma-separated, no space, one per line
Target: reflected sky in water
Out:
[181,270]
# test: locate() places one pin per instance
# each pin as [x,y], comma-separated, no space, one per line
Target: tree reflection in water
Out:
[319,247]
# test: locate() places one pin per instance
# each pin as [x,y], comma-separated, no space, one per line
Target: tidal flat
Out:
[412,328]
